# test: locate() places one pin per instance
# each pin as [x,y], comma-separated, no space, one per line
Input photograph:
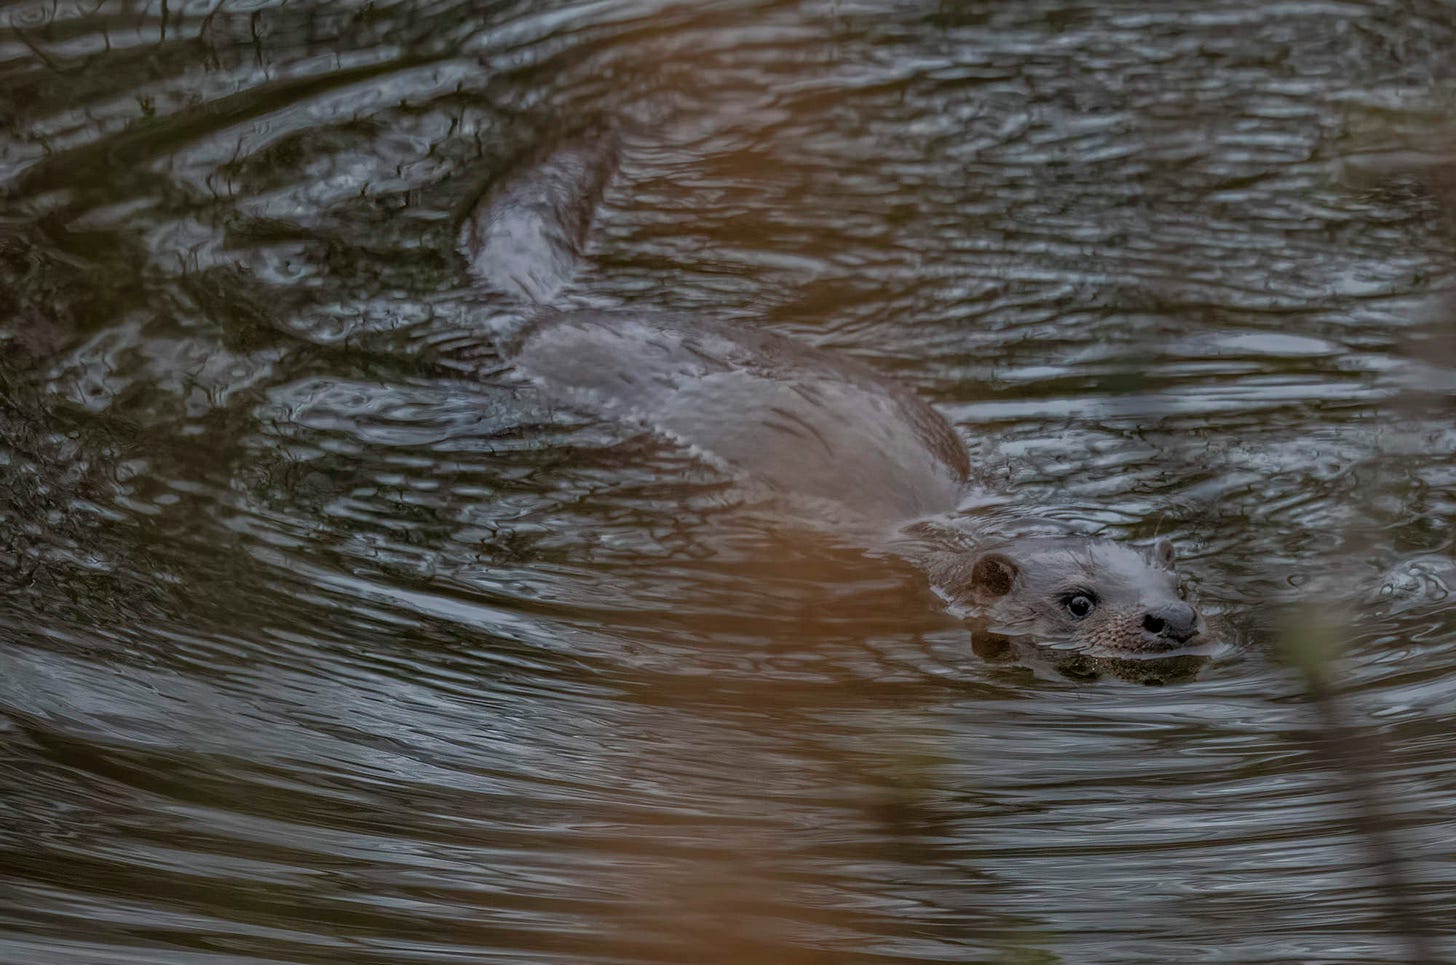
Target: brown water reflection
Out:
[316,647]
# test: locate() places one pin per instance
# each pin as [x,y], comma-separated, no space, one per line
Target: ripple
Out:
[323,638]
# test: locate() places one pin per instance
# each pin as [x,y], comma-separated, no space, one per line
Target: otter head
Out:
[1091,596]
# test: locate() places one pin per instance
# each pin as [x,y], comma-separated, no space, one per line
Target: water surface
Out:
[320,642]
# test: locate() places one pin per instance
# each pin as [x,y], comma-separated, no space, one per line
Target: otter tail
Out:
[525,232]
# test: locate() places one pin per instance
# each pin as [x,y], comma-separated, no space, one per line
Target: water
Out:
[316,647]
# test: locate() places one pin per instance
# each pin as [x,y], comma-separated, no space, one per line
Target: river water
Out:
[320,642]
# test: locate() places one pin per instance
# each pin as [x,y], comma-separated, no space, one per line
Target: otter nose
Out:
[1173,621]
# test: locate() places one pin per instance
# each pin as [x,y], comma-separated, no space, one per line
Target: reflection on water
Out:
[316,645]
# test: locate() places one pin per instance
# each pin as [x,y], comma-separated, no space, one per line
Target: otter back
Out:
[795,418]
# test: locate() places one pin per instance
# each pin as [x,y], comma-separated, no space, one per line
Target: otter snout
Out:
[1171,622]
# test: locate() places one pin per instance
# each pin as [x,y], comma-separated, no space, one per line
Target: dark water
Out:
[317,647]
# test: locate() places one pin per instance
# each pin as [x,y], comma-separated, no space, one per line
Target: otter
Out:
[819,430]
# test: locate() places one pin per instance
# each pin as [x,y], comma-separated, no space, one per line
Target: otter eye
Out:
[1079,605]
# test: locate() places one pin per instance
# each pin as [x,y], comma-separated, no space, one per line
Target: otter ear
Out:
[1163,554]
[993,575]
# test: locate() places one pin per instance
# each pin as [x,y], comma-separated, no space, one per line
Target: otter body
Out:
[799,420]
[813,425]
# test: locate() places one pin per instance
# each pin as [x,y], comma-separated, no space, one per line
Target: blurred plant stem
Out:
[1311,645]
